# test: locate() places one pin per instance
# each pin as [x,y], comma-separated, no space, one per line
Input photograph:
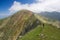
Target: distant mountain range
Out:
[53,15]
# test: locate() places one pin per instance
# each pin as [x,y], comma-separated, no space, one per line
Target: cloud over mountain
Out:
[38,6]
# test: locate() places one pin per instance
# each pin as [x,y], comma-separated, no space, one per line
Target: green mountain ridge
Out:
[25,25]
[49,32]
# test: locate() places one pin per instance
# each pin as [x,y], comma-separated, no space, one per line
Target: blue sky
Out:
[8,7]
[6,4]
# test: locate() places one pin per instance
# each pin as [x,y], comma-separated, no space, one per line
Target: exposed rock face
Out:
[19,23]
[29,26]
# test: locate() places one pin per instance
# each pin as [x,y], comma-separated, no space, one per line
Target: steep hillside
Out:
[44,31]
[48,32]
[18,24]
[25,25]
[3,22]
[48,21]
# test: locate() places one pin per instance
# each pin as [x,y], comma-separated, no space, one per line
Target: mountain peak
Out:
[26,11]
[18,24]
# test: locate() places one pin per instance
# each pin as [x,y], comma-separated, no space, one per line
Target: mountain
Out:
[17,25]
[48,32]
[52,15]
[26,25]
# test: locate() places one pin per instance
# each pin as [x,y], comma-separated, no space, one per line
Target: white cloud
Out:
[40,5]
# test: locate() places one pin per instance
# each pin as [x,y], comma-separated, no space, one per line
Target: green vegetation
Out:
[1,21]
[33,34]
[17,24]
[24,25]
[49,32]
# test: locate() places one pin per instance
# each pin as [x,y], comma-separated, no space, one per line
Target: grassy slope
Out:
[16,25]
[49,33]
[48,21]
[32,35]
[1,21]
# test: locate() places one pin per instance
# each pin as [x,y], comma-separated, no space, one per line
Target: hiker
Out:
[43,25]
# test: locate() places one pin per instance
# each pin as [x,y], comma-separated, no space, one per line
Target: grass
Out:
[49,33]
[19,22]
[1,20]
[16,24]
[33,34]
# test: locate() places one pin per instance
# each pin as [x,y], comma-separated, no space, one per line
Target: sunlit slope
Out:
[44,31]
[48,32]
[3,22]
[25,25]
[48,21]
[18,24]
